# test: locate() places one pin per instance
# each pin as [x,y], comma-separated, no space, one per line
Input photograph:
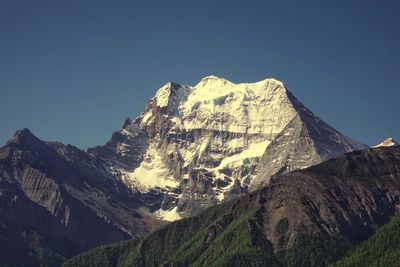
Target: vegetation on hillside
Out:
[217,237]
[381,249]
[230,234]
[221,237]
[241,232]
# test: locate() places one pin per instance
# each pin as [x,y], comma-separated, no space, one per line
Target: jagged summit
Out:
[244,106]
[213,89]
[23,136]
[22,133]
[387,143]
[199,145]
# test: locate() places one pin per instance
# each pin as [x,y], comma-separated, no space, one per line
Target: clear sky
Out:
[72,71]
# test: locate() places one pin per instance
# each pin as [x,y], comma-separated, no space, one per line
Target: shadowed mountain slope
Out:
[56,201]
[304,218]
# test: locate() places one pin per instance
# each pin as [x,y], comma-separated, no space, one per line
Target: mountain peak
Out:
[25,138]
[127,122]
[211,79]
[214,134]
[215,80]
[23,134]
[215,87]
[273,80]
[166,93]
[387,143]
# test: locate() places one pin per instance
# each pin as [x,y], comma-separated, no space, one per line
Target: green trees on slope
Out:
[217,237]
[381,249]
[231,235]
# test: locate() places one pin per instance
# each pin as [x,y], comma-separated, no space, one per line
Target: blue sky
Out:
[72,71]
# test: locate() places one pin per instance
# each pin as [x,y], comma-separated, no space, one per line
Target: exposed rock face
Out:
[345,196]
[203,144]
[125,148]
[63,194]
[306,217]
[305,141]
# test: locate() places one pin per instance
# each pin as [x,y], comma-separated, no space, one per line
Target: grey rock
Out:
[62,193]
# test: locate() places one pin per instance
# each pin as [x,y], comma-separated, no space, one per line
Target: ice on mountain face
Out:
[387,143]
[151,173]
[204,142]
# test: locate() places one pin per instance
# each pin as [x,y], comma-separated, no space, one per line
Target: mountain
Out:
[308,217]
[387,142]
[196,146]
[193,147]
[57,201]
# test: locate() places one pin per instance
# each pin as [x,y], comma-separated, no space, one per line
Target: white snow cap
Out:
[387,143]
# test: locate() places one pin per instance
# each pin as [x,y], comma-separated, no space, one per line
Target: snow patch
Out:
[387,143]
[152,172]
[254,150]
[168,215]
[162,95]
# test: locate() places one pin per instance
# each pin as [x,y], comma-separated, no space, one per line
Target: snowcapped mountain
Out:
[195,146]
[387,143]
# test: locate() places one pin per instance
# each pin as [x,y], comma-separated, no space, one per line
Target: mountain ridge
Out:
[54,194]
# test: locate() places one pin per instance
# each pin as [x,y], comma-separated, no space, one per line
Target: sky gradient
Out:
[72,71]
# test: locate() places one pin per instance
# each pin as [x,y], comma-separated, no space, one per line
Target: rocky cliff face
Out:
[61,193]
[199,145]
[305,141]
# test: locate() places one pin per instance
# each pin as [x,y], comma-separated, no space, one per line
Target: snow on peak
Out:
[274,81]
[209,138]
[387,143]
[228,126]
[211,79]
[218,104]
[163,94]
